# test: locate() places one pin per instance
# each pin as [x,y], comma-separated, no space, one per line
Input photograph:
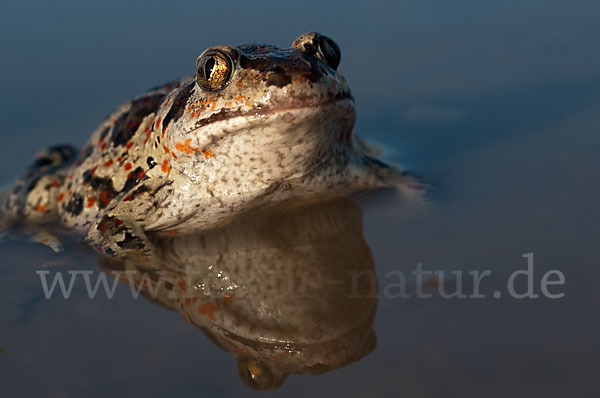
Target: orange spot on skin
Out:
[187,301]
[209,309]
[118,222]
[182,285]
[227,298]
[240,84]
[109,163]
[129,144]
[208,154]
[166,149]
[185,147]
[157,123]
[41,208]
[239,98]
[128,166]
[228,104]
[140,175]
[249,104]
[106,197]
[103,146]
[174,155]
[165,166]
[61,197]
[171,232]
[55,184]
[70,192]
[128,198]
[90,202]
[119,159]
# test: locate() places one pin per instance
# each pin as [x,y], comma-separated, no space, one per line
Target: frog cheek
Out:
[257,375]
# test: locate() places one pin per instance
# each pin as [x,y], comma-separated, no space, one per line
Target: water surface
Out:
[497,104]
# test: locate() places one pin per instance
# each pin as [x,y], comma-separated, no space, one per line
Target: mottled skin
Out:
[181,158]
[287,290]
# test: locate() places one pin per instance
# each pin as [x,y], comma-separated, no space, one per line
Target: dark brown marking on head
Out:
[179,104]
[88,175]
[104,133]
[285,63]
[75,205]
[133,179]
[104,186]
[258,64]
[223,114]
[128,122]
[278,78]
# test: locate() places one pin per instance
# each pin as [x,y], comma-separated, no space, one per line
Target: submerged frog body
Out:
[254,125]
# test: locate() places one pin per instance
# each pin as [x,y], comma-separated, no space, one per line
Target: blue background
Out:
[497,102]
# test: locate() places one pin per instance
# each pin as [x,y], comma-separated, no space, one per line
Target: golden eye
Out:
[257,375]
[214,69]
[331,51]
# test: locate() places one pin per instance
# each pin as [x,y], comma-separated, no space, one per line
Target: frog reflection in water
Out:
[288,291]
[256,124]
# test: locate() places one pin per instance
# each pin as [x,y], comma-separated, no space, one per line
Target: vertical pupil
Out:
[329,52]
[208,67]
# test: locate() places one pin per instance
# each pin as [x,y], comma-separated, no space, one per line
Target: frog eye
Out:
[214,69]
[330,51]
[256,375]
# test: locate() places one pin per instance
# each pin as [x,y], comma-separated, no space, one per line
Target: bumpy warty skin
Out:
[267,124]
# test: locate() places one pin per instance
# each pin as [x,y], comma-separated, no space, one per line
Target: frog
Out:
[255,124]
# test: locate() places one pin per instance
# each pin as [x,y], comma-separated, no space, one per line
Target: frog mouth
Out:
[343,97]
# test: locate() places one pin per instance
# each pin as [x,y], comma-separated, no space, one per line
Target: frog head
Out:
[254,116]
